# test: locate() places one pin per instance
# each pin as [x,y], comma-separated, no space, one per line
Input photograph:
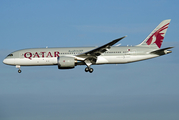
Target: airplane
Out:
[68,58]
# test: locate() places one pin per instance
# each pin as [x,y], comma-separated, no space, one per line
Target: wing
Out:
[92,54]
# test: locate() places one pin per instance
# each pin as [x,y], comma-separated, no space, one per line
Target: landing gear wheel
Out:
[19,71]
[91,70]
[86,69]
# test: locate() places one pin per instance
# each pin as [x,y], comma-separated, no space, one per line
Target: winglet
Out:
[115,41]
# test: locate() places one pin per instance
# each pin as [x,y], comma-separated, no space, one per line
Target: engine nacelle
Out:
[65,62]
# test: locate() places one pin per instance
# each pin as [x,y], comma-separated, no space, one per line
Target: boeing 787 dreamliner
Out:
[67,58]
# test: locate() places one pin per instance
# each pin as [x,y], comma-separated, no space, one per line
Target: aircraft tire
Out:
[91,70]
[86,69]
[19,71]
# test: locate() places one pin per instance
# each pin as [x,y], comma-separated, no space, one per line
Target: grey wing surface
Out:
[99,50]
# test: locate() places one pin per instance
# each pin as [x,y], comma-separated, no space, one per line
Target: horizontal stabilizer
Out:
[162,51]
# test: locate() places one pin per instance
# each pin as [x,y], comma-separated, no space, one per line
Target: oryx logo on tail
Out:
[155,38]
[158,36]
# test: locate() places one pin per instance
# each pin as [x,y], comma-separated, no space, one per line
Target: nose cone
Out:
[5,61]
[8,61]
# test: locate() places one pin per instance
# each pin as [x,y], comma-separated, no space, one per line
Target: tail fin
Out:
[156,37]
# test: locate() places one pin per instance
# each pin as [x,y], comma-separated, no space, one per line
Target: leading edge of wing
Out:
[99,50]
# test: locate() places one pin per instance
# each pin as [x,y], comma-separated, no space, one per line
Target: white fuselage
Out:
[48,56]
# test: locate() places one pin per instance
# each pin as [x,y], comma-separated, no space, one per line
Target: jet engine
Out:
[65,62]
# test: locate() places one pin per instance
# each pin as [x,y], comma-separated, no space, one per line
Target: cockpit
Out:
[9,60]
[10,55]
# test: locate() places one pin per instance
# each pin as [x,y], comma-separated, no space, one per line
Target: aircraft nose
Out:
[5,61]
[8,61]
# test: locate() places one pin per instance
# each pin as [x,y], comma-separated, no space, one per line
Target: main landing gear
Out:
[88,69]
[18,66]
[88,64]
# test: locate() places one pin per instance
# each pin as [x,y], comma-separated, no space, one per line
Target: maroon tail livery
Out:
[156,37]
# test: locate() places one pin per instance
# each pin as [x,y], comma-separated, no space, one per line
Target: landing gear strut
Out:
[88,64]
[18,66]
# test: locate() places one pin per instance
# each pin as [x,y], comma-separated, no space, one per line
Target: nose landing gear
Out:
[19,71]
[18,66]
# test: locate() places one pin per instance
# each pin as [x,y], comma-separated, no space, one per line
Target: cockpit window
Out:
[10,55]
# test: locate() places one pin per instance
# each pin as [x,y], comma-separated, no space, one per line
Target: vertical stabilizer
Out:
[156,37]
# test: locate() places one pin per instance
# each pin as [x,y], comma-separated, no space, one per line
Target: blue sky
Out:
[142,90]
